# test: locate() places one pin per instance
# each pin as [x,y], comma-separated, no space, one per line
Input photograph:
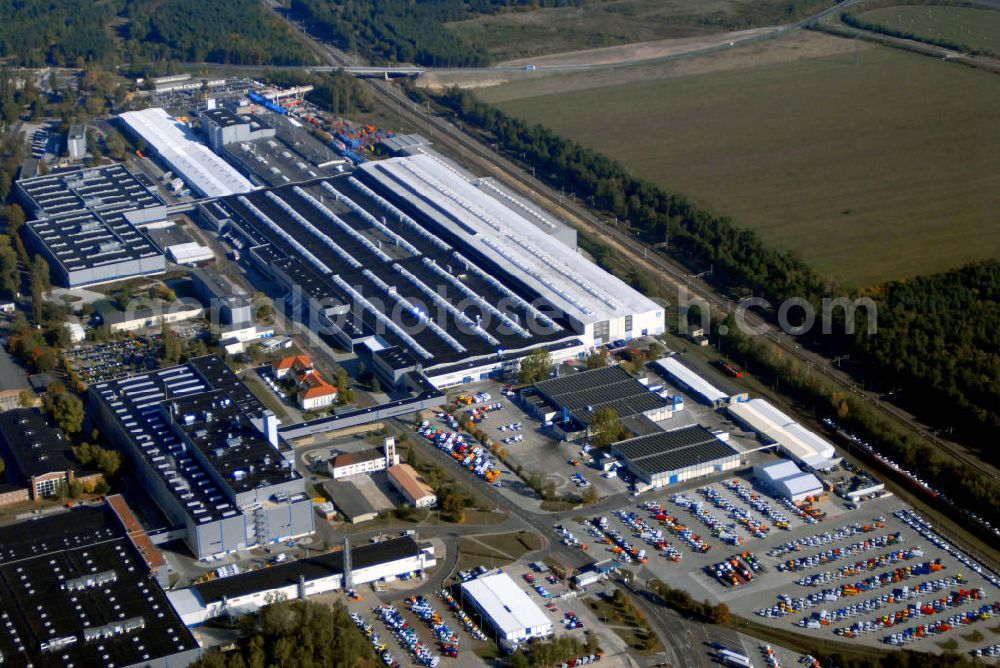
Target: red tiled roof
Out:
[293,361]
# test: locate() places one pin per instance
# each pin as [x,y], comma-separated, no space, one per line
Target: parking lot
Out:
[875,575]
[104,361]
[531,449]
[423,641]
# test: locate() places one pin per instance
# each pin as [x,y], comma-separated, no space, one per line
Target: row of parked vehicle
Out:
[787,605]
[477,398]
[826,537]
[727,533]
[992,650]
[754,525]
[571,621]
[466,621]
[926,529]
[764,507]
[568,538]
[380,646]
[659,513]
[953,599]
[837,553]
[422,608]
[912,633]
[406,636]
[462,448]
[482,412]
[737,570]
[863,566]
[644,532]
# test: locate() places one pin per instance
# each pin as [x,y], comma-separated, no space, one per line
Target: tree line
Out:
[938,343]
[860,23]
[239,32]
[402,31]
[299,635]
[73,33]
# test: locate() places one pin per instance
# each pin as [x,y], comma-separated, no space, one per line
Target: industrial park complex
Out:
[330,334]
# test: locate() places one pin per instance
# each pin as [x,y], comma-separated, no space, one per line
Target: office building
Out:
[225,302]
[222,126]
[39,460]
[364,462]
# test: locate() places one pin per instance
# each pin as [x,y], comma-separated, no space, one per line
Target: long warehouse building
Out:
[505,607]
[377,270]
[794,440]
[670,457]
[178,146]
[599,307]
[246,593]
[206,450]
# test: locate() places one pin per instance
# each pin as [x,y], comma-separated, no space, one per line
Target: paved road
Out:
[350,64]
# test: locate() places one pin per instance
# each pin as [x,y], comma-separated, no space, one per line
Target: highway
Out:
[343,62]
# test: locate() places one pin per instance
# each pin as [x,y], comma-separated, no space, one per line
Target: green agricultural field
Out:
[872,165]
[973,29]
[523,34]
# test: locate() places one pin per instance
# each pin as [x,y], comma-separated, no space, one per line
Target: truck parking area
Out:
[520,436]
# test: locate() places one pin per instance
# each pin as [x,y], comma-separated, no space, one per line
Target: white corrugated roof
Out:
[190,252]
[800,443]
[505,603]
[778,470]
[818,444]
[195,162]
[577,286]
[672,365]
[803,483]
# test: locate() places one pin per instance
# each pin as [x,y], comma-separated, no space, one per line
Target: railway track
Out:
[443,132]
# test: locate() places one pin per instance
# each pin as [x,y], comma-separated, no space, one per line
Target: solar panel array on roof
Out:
[584,393]
[195,388]
[110,188]
[86,221]
[88,239]
[673,450]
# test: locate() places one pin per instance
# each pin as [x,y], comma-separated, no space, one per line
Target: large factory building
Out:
[408,254]
[85,223]
[206,450]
